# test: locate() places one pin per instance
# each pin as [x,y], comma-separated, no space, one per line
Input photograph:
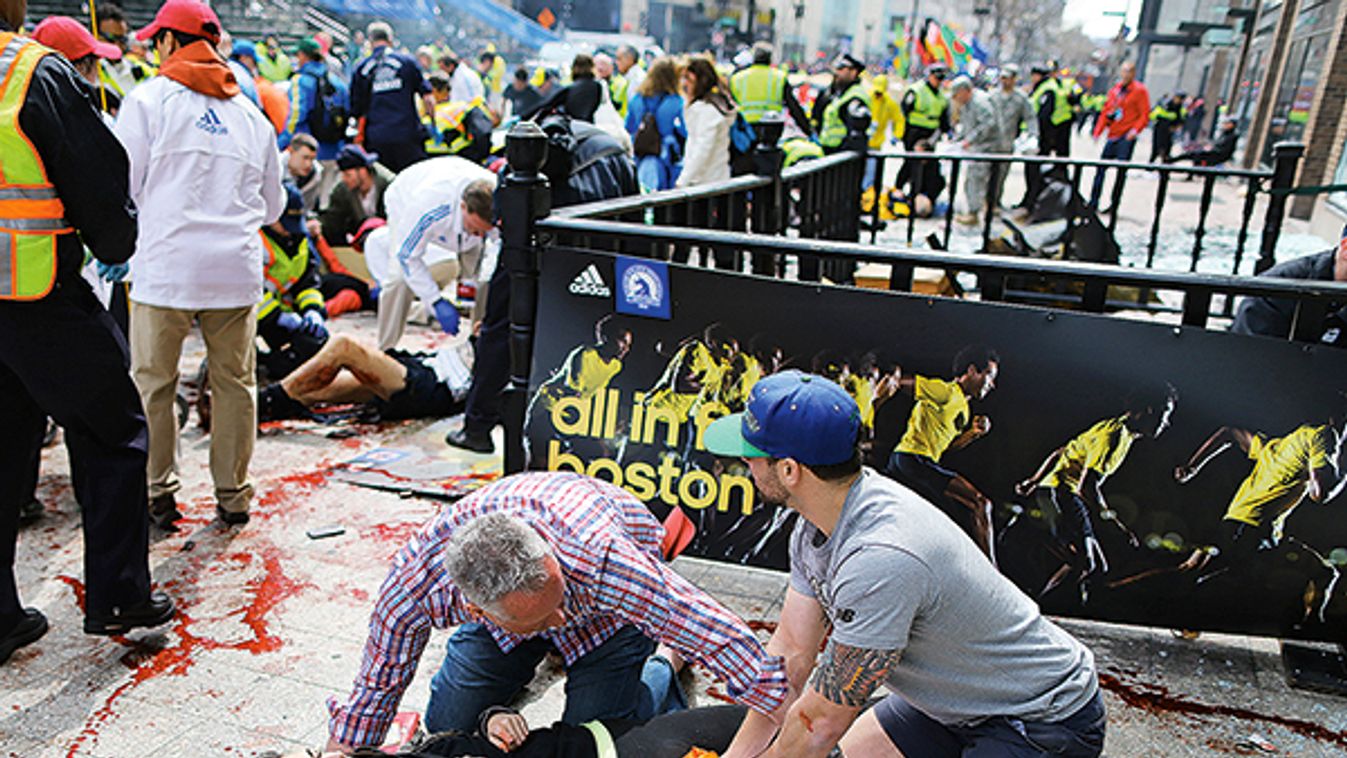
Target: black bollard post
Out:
[768,203]
[1285,161]
[524,198]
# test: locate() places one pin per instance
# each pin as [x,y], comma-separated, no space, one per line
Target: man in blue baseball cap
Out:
[972,665]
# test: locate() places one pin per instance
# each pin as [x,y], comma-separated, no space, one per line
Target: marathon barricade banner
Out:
[1114,469]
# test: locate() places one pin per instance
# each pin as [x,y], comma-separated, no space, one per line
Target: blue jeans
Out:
[1080,735]
[619,679]
[1115,149]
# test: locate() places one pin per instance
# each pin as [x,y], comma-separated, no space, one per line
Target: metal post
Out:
[524,198]
[1285,161]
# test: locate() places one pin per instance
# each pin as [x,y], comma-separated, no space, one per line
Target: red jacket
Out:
[1126,113]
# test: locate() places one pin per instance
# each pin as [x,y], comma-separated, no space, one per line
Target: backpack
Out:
[647,140]
[742,136]
[328,116]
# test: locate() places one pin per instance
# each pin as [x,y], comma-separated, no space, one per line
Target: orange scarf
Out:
[200,68]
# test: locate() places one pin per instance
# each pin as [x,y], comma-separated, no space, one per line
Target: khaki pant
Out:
[231,360]
[395,300]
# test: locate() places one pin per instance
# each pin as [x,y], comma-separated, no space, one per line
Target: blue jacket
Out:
[245,80]
[303,95]
[384,89]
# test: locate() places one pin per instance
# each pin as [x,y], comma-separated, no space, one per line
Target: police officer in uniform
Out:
[926,111]
[1052,103]
[842,119]
[1166,119]
[63,185]
[761,88]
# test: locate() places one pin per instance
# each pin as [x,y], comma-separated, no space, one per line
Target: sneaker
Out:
[477,442]
[164,512]
[155,610]
[26,632]
[232,518]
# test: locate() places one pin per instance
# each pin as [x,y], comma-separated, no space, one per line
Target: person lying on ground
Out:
[397,384]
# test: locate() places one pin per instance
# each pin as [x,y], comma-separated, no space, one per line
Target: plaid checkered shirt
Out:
[608,545]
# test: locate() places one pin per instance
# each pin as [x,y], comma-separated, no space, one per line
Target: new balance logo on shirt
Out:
[590,282]
[211,123]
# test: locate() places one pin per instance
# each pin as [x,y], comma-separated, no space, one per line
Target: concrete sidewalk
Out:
[272,625]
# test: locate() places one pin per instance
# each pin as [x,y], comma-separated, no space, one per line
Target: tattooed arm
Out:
[844,680]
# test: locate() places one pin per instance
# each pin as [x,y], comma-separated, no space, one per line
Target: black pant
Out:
[491,363]
[398,155]
[63,357]
[911,136]
[1052,140]
[1162,141]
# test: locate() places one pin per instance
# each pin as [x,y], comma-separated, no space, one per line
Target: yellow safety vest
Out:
[618,88]
[31,213]
[834,130]
[449,116]
[928,107]
[758,90]
[1061,107]
[280,272]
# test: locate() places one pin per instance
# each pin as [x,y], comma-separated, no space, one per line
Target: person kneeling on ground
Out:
[291,319]
[892,592]
[535,563]
[396,383]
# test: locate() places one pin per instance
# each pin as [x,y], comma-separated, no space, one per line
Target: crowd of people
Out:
[174,178]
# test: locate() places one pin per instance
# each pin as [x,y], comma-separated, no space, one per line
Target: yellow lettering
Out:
[574,427]
[687,495]
[704,419]
[727,484]
[596,416]
[606,464]
[655,415]
[667,473]
[641,480]
[559,461]
[637,414]
[610,418]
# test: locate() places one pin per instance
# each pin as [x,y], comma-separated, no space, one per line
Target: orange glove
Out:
[697,752]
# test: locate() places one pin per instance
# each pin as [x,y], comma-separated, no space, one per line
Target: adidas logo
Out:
[211,123]
[589,282]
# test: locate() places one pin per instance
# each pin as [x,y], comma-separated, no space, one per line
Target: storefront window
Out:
[1339,199]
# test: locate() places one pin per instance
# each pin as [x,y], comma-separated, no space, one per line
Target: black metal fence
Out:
[811,213]
[1275,184]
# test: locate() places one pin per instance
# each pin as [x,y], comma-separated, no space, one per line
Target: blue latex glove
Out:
[113,272]
[289,322]
[315,325]
[447,315]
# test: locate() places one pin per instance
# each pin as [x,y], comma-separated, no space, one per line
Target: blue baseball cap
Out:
[292,220]
[244,49]
[790,414]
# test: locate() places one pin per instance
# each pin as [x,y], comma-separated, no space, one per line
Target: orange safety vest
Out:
[32,216]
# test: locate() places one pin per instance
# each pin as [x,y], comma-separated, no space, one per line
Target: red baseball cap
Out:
[68,37]
[186,16]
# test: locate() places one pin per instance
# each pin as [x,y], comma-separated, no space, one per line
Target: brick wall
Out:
[1328,123]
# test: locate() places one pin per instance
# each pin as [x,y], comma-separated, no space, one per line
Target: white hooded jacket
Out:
[206,177]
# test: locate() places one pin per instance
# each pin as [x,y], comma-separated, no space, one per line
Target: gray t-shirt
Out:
[897,574]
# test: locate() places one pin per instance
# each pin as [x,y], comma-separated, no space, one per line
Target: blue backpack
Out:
[742,135]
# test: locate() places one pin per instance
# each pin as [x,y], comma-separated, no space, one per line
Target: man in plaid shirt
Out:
[535,563]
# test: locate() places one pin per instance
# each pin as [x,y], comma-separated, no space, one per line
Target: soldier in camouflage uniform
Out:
[1013,112]
[980,132]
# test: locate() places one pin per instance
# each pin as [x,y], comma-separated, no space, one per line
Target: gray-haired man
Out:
[980,132]
[537,563]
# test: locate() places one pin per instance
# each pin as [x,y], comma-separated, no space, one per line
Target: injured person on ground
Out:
[395,384]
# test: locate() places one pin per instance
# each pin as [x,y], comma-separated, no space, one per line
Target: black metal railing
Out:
[819,202]
[1087,284]
[1273,184]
